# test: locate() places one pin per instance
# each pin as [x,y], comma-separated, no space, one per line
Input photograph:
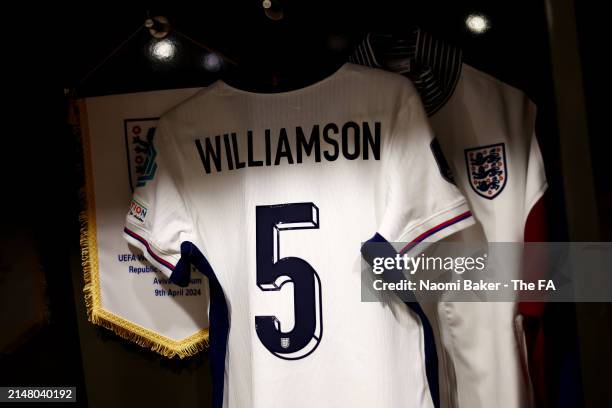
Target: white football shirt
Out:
[486,132]
[278,192]
[487,120]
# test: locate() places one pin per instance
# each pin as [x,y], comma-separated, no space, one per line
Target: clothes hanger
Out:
[160,29]
[286,52]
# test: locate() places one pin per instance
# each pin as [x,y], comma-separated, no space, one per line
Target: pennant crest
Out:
[141,153]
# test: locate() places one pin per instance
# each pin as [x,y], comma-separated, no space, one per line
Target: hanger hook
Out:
[158,26]
[273,9]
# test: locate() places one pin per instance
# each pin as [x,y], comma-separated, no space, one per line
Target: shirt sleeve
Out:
[157,221]
[420,203]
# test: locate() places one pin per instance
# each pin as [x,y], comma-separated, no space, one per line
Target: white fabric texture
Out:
[233,156]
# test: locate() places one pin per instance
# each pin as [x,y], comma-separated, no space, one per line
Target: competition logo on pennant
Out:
[141,154]
[138,212]
[487,169]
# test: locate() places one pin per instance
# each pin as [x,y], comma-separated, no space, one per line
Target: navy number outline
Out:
[273,273]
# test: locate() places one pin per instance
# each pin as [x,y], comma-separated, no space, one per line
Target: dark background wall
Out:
[59,48]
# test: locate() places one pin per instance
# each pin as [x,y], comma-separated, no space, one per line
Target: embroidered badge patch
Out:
[138,212]
[141,153]
[487,169]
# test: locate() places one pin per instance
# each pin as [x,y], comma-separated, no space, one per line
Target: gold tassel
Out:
[89,261]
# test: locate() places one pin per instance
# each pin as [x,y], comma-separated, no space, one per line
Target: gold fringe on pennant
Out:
[89,261]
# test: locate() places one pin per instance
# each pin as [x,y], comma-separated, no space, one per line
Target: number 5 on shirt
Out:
[273,273]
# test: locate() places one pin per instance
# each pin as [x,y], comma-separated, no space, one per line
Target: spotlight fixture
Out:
[163,50]
[477,23]
[211,62]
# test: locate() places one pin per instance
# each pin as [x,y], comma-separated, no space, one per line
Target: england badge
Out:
[285,342]
[487,169]
[140,150]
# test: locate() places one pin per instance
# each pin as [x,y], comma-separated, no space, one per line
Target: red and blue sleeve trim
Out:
[145,243]
[436,229]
